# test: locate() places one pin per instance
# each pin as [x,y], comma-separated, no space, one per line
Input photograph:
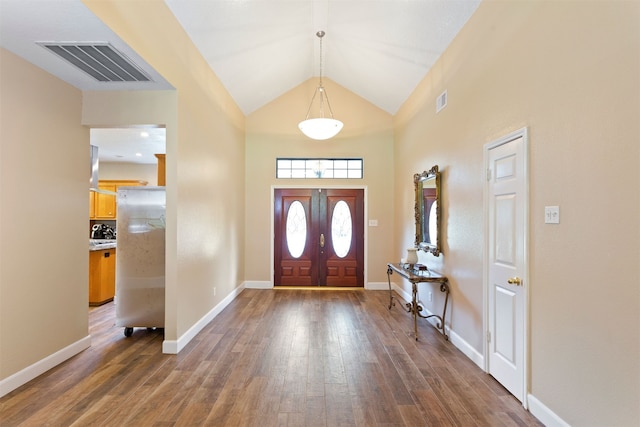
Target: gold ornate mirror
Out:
[427,210]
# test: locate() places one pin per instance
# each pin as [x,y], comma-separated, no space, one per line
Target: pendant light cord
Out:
[323,93]
[320,34]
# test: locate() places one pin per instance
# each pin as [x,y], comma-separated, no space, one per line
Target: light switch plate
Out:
[552,214]
[373,223]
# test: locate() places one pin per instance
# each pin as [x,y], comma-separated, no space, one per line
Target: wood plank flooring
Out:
[282,357]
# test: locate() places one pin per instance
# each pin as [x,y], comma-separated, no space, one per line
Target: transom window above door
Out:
[305,168]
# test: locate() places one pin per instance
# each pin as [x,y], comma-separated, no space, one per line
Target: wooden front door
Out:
[319,237]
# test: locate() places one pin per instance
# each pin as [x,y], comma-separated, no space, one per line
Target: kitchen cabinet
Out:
[92,204]
[102,276]
[161,169]
[103,206]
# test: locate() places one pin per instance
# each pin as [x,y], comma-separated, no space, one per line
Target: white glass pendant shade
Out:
[322,128]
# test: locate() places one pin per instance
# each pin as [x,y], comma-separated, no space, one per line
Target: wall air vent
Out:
[101,61]
[441,101]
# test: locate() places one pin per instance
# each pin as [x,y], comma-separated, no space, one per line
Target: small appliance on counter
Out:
[102,231]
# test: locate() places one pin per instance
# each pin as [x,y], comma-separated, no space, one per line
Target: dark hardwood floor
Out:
[284,357]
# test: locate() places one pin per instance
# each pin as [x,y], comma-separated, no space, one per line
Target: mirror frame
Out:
[418,180]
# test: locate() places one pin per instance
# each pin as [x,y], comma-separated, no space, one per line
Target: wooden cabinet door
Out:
[108,274]
[102,276]
[92,204]
[104,206]
[106,203]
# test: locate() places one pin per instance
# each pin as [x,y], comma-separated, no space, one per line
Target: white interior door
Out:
[506,269]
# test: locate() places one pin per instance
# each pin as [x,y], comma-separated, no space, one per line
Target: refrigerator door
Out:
[140,257]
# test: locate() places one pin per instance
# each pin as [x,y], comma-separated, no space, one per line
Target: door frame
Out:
[314,187]
[520,133]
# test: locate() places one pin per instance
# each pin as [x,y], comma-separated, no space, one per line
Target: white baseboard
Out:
[258,284]
[545,415]
[537,408]
[400,291]
[455,339]
[22,377]
[462,345]
[377,286]
[175,346]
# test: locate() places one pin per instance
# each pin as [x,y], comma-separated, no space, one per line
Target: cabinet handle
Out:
[107,254]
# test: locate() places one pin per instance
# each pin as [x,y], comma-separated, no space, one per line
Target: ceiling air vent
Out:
[100,60]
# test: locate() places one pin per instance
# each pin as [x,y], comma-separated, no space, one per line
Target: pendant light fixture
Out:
[320,127]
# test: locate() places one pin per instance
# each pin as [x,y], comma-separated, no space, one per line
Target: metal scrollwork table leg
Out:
[389,273]
[444,287]
[414,306]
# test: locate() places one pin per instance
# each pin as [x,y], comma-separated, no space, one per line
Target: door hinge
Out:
[488,174]
[488,336]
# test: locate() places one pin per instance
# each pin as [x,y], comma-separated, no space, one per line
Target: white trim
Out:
[258,284]
[377,286]
[175,346]
[400,291]
[455,339]
[523,132]
[466,348]
[545,415]
[22,377]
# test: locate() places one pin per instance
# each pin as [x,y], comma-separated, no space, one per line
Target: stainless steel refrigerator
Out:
[140,257]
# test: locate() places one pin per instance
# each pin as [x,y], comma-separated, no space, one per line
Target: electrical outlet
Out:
[430,296]
[552,214]
[214,291]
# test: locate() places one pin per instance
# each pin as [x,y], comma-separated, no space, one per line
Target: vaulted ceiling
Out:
[378,49]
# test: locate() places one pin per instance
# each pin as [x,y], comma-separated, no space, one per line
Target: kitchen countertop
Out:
[101,244]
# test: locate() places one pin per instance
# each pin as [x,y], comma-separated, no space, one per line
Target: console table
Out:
[413,307]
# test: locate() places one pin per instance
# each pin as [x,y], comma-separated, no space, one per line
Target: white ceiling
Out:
[25,22]
[131,145]
[378,49]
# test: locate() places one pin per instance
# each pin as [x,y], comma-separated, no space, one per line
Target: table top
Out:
[417,275]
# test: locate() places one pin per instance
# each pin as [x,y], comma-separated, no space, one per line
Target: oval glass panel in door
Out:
[341,229]
[296,229]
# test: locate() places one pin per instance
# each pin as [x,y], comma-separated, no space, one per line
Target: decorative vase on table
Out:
[412,257]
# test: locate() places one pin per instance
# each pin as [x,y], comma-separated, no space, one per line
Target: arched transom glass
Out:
[341,229]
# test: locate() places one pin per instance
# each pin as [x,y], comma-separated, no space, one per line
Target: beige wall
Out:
[129,171]
[273,132]
[570,73]
[44,172]
[205,164]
